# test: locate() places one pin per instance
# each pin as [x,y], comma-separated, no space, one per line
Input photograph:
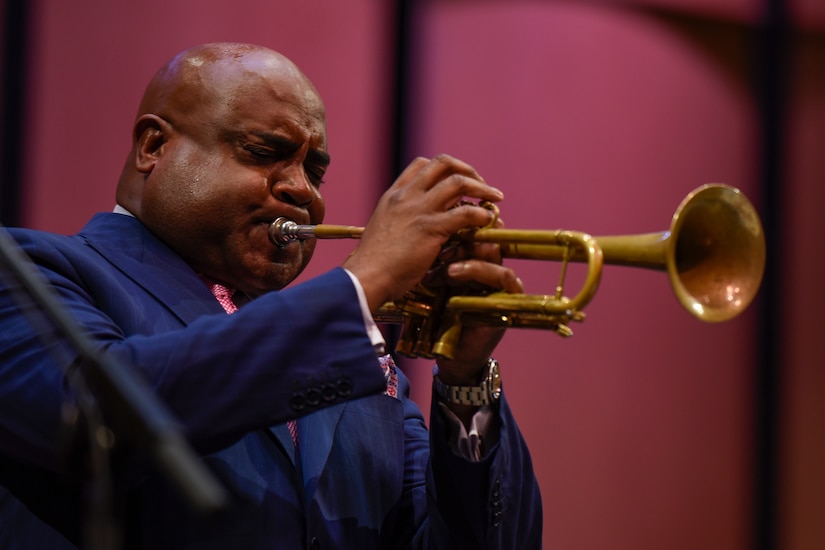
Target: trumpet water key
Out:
[713,253]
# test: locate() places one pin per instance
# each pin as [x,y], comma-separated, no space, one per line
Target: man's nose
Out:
[295,190]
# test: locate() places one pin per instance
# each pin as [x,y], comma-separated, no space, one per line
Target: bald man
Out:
[306,421]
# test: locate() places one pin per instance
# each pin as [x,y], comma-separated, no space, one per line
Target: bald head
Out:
[211,76]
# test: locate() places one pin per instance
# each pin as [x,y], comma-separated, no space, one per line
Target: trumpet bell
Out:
[716,255]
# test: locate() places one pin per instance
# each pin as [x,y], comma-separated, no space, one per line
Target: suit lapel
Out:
[283,439]
[125,243]
[316,433]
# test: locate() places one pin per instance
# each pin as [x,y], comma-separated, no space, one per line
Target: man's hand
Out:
[475,344]
[469,268]
[411,223]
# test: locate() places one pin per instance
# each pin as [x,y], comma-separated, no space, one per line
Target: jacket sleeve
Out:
[494,503]
[281,356]
[448,502]
[220,375]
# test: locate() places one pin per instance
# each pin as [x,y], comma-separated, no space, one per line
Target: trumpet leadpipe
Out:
[283,231]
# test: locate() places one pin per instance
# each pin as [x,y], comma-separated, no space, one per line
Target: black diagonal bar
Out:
[134,413]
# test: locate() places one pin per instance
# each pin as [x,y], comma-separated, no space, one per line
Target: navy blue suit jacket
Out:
[367,473]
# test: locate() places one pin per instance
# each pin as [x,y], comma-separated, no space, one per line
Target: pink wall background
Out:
[595,116]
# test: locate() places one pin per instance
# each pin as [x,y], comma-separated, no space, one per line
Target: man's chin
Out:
[277,277]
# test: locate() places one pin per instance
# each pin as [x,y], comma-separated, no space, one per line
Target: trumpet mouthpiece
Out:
[282,231]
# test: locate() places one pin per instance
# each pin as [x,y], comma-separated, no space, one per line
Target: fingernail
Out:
[456,268]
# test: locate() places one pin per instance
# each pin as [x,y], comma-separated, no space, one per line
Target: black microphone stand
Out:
[103,388]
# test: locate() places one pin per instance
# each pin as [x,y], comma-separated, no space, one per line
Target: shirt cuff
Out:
[471,444]
[373,332]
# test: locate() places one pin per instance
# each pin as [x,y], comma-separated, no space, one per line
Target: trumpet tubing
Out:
[713,253]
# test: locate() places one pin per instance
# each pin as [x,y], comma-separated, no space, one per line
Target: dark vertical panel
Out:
[772,75]
[399,129]
[14,50]
[401,75]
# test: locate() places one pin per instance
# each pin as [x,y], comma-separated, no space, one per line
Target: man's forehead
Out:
[257,78]
[272,113]
[273,122]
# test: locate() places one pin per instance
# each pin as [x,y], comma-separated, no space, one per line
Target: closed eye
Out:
[265,153]
[316,165]
[315,175]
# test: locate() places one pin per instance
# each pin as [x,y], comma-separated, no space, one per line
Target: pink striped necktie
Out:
[224,296]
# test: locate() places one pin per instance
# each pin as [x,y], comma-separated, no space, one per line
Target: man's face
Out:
[252,152]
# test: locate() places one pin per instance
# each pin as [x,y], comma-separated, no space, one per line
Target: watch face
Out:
[495,380]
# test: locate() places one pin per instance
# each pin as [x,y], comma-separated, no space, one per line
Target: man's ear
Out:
[151,134]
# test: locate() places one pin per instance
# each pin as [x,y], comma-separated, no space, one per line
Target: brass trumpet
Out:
[713,253]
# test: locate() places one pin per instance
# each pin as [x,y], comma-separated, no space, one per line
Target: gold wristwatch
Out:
[486,393]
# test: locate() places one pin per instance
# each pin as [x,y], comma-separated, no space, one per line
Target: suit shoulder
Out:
[53,251]
[43,244]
